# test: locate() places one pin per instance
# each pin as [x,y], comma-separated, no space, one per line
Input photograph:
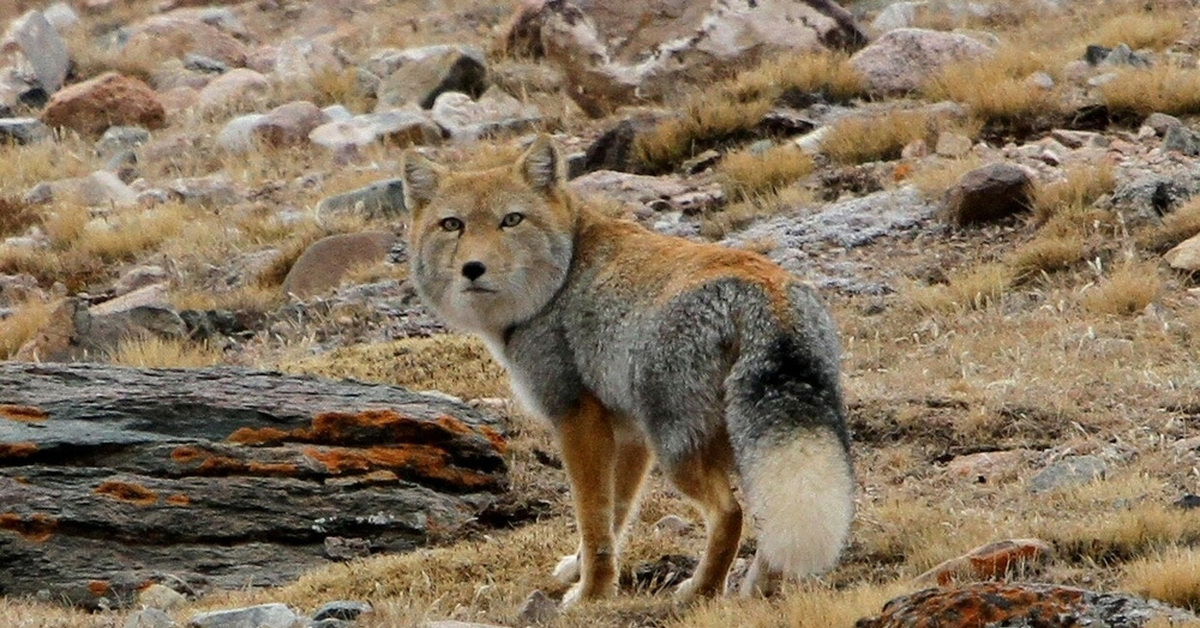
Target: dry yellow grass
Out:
[66,224]
[1172,577]
[458,365]
[154,352]
[1149,29]
[1080,187]
[1127,290]
[135,233]
[860,139]
[933,177]
[1163,88]
[1176,227]
[718,224]
[745,174]
[974,289]
[825,74]
[250,298]
[16,217]
[996,89]
[26,319]
[703,121]
[731,109]
[22,167]
[1047,254]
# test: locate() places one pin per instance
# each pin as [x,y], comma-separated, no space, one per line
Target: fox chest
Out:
[550,377]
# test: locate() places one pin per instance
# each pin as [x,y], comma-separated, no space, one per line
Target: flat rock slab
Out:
[114,478]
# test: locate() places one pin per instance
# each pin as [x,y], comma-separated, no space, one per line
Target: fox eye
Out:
[451,224]
[512,220]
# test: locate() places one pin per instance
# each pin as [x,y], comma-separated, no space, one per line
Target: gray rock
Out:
[44,48]
[616,53]
[419,75]
[118,139]
[262,616]
[1069,472]
[465,119]
[401,128]
[150,618]
[1161,122]
[989,193]
[382,198]
[116,459]
[162,598]
[61,16]
[537,609]
[216,190]
[342,609]
[238,134]
[1123,55]
[800,241]
[897,15]
[201,63]
[672,524]
[337,113]
[139,277]
[99,189]
[1182,139]
[1152,195]
[24,130]
[904,59]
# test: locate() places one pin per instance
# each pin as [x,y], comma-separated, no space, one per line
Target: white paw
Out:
[686,590]
[572,597]
[567,570]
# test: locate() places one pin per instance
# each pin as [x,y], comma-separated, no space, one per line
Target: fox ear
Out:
[541,165]
[420,178]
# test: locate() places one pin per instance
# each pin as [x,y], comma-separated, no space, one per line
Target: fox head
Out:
[489,249]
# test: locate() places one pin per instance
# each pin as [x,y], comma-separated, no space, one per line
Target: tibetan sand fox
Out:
[634,347]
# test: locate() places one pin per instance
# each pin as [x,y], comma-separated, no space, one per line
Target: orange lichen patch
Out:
[453,425]
[979,605]
[991,562]
[185,455]
[126,492]
[179,499]
[259,436]
[363,428]
[207,463]
[25,414]
[422,461]
[496,438]
[99,588]
[38,528]
[17,450]
[274,469]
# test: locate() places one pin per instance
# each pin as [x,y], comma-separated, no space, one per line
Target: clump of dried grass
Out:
[861,139]
[745,174]
[155,352]
[1164,88]
[1128,290]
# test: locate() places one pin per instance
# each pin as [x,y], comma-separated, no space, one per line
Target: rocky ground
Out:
[997,199]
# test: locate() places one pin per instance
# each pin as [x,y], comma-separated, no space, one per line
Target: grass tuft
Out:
[1163,88]
[1127,291]
[154,352]
[26,319]
[1172,577]
[1081,187]
[862,139]
[745,174]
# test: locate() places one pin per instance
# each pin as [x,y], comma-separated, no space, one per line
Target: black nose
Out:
[473,270]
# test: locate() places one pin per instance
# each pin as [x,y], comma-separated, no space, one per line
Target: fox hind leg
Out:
[705,478]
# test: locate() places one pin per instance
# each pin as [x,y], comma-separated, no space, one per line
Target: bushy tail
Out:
[800,490]
[786,420]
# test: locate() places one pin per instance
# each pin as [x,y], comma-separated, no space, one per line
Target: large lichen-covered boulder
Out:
[114,478]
